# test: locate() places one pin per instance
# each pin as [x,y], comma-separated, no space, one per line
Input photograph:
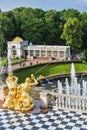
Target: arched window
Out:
[13,47]
[14,52]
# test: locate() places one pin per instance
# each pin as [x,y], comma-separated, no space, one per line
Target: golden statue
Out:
[25,102]
[40,77]
[18,97]
[12,86]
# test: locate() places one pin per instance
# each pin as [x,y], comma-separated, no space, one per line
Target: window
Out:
[14,52]
[13,47]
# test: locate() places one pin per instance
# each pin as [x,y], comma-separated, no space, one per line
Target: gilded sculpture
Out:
[18,97]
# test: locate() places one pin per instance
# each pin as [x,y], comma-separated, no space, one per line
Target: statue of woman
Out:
[10,99]
[11,81]
[25,101]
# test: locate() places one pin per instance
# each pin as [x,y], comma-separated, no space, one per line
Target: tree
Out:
[6,26]
[84,29]
[53,24]
[65,14]
[2,41]
[18,14]
[6,29]
[33,33]
[84,56]
[72,33]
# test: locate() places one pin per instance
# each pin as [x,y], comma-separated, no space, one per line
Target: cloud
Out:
[85,1]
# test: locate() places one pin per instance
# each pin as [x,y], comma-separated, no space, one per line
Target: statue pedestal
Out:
[44,98]
[2,92]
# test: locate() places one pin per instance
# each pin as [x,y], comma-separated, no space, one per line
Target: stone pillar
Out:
[45,53]
[44,98]
[39,53]
[64,56]
[2,94]
[34,53]
[28,53]
[69,52]
[58,54]
[52,54]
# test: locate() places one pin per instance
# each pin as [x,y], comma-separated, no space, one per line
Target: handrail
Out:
[68,101]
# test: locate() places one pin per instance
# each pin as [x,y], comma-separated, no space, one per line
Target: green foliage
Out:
[48,70]
[84,29]
[2,41]
[72,33]
[84,56]
[13,61]
[44,27]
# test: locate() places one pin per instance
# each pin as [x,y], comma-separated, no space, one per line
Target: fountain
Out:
[74,88]
[9,65]
[71,95]
[73,79]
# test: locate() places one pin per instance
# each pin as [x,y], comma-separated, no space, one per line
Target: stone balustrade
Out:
[64,101]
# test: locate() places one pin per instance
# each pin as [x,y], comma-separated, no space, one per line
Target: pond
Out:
[64,81]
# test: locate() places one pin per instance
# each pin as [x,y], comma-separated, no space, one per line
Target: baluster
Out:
[59,101]
[83,104]
[66,102]
[53,100]
[80,104]
[69,102]
[76,103]
[62,101]
[56,101]
[72,102]
[86,104]
[73,106]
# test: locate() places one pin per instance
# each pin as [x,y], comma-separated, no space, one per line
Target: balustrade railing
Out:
[68,101]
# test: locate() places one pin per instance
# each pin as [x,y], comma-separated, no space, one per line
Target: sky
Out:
[80,5]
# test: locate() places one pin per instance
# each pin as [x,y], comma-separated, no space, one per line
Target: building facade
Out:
[18,48]
[15,47]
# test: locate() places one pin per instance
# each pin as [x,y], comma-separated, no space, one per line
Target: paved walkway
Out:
[55,119]
[33,62]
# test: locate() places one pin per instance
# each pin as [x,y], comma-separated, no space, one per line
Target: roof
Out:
[17,39]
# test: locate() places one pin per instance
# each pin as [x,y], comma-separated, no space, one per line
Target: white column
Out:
[58,54]
[68,52]
[52,54]
[39,53]
[45,53]
[64,56]
[34,53]
[28,52]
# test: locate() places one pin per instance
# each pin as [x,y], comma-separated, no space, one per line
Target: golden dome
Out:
[17,39]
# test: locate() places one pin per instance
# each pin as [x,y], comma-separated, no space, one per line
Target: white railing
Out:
[68,101]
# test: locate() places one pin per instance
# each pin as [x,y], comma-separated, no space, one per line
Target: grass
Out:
[48,70]
[13,61]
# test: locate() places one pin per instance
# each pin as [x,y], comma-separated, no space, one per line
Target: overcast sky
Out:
[80,5]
